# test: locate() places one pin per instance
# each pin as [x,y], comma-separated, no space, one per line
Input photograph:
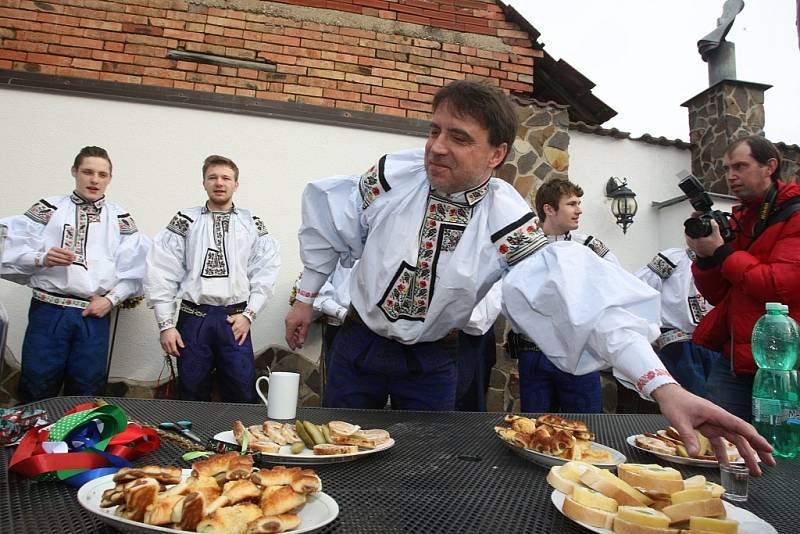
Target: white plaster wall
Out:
[157,152]
[651,171]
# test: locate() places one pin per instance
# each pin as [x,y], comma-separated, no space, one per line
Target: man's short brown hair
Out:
[551,192]
[220,160]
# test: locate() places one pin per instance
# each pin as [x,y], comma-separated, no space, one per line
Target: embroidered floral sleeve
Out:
[373,183]
[519,239]
[41,212]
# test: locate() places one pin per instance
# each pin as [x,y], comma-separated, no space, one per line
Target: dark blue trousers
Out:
[366,370]
[729,391]
[210,346]
[543,387]
[62,347]
[476,357]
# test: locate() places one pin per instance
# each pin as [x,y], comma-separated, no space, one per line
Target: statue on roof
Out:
[708,44]
[716,51]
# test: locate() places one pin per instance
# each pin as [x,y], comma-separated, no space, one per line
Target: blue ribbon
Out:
[84,439]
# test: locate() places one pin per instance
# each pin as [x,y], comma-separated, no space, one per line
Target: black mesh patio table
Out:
[448,472]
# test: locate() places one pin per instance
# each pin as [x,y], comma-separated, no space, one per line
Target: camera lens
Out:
[697,227]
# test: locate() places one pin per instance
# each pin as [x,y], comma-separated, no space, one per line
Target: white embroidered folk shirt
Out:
[427,259]
[109,250]
[216,258]
[670,273]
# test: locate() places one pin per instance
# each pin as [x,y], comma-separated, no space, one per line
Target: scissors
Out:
[183,427]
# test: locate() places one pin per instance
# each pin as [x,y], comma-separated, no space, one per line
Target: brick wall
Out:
[381,56]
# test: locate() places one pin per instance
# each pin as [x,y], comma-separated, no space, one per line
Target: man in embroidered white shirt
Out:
[221,262]
[433,232]
[82,256]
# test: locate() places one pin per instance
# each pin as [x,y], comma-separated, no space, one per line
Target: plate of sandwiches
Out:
[220,494]
[306,443]
[646,499]
[550,440]
[667,445]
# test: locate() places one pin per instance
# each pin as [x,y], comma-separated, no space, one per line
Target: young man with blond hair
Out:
[221,262]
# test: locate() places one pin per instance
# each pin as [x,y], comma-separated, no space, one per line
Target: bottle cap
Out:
[773,306]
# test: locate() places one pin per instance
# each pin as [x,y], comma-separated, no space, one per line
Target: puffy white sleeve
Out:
[262,271]
[23,253]
[586,314]
[131,262]
[332,227]
[166,267]
[486,311]
[646,275]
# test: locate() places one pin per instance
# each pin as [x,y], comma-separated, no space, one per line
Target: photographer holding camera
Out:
[757,262]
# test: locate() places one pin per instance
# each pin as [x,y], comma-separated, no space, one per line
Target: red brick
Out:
[292,69]
[281,40]
[233,33]
[70,51]
[303,34]
[38,37]
[123,68]
[158,82]
[184,35]
[389,92]
[47,59]
[126,17]
[246,92]
[5,64]
[60,20]
[224,41]
[25,46]
[516,86]
[414,19]
[186,65]
[205,68]
[81,42]
[30,25]
[77,73]
[301,90]
[380,100]
[418,106]
[143,29]
[278,58]
[326,73]
[248,73]
[389,111]
[187,86]
[308,53]
[214,30]
[114,47]
[344,58]
[124,78]
[101,25]
[272,95]
[341,95]
[317,82]
[355,106]
[208,88]
[153,62]
[393,74]
[315,63]
[103,35]
[355,32]
[448,74]
[397,84]
[168,74]
[375,62]
[388,15]
[226,22]
[421,97]
[112,56]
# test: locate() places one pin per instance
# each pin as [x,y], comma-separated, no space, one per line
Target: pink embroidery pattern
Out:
[41,212]
[650,375]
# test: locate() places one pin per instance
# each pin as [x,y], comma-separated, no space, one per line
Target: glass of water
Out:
[735,478]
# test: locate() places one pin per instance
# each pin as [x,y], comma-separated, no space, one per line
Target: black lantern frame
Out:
[623,201]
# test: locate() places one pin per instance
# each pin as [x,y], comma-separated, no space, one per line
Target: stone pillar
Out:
[540,150]
[719,115]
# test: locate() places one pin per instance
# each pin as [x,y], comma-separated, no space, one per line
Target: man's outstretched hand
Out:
[687,412]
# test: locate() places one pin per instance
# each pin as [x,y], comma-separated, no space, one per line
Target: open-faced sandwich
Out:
[643,499]
[334,437]
[668,443]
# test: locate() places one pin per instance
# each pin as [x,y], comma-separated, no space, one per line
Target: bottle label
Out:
[765,409]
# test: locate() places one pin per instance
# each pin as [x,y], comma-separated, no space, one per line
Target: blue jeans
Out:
[62,346]
[367,369]
[210,345]
[543,387]
[732,392]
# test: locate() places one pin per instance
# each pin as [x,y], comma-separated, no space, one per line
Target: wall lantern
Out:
[623,201]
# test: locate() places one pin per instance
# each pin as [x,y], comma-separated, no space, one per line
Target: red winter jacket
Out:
[738,280]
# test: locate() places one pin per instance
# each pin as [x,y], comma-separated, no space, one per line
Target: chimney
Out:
[719,115]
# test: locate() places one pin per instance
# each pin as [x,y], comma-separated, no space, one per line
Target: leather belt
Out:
[671,336]
[519,343]
[60,300]
[197,309]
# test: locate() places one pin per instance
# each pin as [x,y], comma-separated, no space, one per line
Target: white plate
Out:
[307,457]
[319,510]
[749,523]
[546,460]
[696,462]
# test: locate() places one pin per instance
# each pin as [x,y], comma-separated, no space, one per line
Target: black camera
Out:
[701,202]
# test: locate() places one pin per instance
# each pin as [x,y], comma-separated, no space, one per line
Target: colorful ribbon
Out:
[98,441]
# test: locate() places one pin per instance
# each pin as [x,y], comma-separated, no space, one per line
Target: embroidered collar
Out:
[205,209]
[470,197]
[80,201]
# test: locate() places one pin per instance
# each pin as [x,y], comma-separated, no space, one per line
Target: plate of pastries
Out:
[646,499]
[223,493]
[305,442]
[666,444]
[552,440]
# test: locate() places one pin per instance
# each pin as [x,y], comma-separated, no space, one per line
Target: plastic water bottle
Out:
[776,399]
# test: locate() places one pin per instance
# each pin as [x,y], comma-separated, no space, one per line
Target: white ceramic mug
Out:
[281,399]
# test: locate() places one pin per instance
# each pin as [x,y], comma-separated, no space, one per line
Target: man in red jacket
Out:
[760,265]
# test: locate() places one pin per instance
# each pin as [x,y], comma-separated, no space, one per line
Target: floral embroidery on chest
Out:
[75,237]
[215,264]
[411,290]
